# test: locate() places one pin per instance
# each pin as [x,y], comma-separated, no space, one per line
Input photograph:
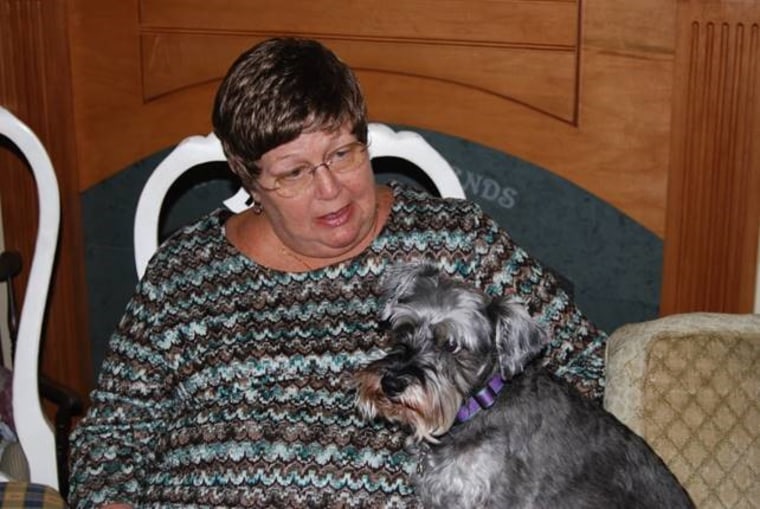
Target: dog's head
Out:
[448,340]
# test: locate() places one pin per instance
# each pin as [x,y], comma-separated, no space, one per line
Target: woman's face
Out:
[330,216]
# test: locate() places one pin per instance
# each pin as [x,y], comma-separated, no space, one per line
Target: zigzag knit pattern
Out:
[228,384]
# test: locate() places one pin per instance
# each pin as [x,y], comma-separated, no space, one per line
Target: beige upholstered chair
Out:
[690,385]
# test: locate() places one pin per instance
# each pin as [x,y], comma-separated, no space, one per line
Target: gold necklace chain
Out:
[294,256]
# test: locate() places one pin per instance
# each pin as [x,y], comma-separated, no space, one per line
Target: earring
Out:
[256,207]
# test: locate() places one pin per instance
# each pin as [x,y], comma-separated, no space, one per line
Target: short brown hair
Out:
[277,90]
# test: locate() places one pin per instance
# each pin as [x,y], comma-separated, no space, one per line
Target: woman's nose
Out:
[325,182]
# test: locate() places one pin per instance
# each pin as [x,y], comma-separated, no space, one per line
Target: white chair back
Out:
[34,432]
[195,150]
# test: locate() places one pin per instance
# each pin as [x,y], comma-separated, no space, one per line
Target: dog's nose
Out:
[392,385]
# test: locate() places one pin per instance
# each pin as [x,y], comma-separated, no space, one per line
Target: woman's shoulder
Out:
[191,244]
[423,207]
[410,197]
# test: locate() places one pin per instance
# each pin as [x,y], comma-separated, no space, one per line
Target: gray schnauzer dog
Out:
[493,429]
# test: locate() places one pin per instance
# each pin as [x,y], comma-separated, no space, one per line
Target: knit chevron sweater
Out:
[229,384]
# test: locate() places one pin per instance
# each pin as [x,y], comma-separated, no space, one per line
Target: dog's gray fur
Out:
[542,445]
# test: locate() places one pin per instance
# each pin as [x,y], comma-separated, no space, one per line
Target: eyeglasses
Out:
[342,160]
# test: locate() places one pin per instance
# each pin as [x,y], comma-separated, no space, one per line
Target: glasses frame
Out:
[298,187]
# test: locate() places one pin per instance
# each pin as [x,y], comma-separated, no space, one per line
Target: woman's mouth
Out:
[337,218]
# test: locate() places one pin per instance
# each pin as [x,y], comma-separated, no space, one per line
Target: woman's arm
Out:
[117,439]
[576,352]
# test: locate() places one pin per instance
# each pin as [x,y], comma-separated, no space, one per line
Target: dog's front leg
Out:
[461,479]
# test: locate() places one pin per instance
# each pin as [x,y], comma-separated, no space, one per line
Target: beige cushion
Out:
[13,462]
[690,385]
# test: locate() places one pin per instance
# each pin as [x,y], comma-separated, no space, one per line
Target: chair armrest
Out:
[63,397]
[69,404]
[689,385]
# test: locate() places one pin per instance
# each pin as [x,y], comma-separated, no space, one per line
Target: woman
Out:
[228,381]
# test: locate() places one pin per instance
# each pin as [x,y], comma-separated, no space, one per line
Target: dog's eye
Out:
[403,332]
[445,338]
[452,345]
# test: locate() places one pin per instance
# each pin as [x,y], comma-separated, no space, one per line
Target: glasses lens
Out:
[348,157]
[294,181]
[343,160]
[291,188]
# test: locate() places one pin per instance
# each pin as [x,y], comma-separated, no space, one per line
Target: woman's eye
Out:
[341,153]
[295,174]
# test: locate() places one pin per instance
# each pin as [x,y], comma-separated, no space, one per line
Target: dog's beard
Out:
[429,409]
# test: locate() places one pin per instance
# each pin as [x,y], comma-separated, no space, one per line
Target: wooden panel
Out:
[35,86]
[542,79]
[619,147]
[516,51]
[714,195]
[520,22]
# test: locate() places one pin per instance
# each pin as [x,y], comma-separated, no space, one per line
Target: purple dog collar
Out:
[485,398]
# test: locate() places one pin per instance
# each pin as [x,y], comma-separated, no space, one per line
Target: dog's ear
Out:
[399,281]
[519,338]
